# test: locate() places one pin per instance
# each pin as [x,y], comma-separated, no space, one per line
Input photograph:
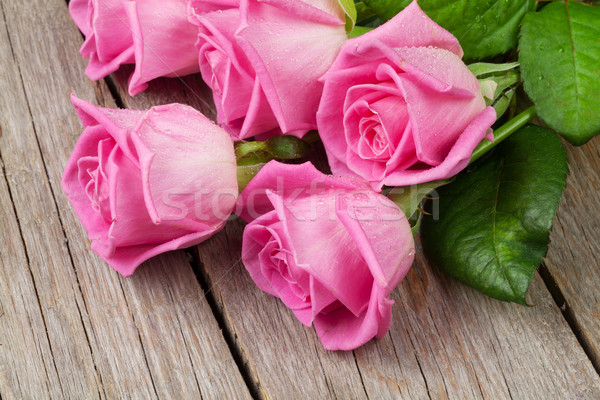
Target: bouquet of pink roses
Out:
[407,127]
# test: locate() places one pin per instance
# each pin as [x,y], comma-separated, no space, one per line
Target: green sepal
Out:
[351,14]
[359,31]
[245,173]
[410,198]
[503,81]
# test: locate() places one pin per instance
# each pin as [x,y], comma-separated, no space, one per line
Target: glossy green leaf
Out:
[503,132]
[366,17]
[559,51]
[484,27]
[491,226]
[363,12]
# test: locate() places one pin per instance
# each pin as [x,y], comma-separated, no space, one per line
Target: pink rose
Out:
[146,182]
[264,59]
[400,107]
[153,34]
[329,247]
[108,40]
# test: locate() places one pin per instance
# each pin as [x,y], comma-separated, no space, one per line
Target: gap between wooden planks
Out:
[573,261]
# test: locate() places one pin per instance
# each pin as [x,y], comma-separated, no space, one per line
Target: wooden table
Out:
[192,325]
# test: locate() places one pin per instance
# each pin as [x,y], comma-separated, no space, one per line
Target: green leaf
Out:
[503,133]
[350,10]
[484,28]
[504,79]
[366,17]
[363,12]
[494,221]
[559,51]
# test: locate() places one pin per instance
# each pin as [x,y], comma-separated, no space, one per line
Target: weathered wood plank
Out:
[141,340]
[574,256]
[24,345]
[185,348]
[188,89]
[49,261]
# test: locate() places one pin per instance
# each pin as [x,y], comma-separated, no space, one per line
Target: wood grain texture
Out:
[146,337]
[49,263]
[574,256]
[188,89]
[24,345]
[185,349]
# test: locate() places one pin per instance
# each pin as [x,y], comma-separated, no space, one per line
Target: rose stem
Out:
[503,132]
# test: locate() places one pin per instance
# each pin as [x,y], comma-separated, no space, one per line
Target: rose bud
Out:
[263,62]
[146,182]
[329,247]
[153,34]
[399,106]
